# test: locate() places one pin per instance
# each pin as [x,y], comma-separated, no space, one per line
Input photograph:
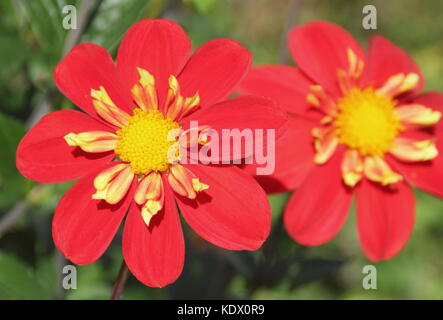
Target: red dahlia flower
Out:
[119,150]
[357,126]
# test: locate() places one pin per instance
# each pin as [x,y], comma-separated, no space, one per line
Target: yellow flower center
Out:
[145,141]
[366,121]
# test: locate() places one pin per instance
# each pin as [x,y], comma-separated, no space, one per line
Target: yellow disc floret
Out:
[366,121]
[144,142]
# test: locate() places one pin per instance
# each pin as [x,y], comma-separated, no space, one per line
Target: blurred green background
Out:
[32,41]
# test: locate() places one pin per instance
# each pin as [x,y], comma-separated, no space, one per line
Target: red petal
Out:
[385,219]
[214,70]
[320,49]
[426,175]
[89,66]
[83,228]
[233,213]
[158,46]
[245,112]
[44,156]
[317,211]
[283,84]
[155,254]
[385,60]
[294,158]
[433,100]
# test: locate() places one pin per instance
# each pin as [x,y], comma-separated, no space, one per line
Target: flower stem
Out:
[120,282]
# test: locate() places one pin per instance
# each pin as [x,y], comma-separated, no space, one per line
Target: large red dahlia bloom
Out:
[357,126]
[119,149]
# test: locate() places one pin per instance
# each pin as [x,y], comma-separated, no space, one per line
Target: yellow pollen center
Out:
[143,142]
[366,121]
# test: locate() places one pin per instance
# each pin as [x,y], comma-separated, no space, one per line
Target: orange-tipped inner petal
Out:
[150,195]
[410,150]
[113,183]
[106,108]
[417,114]
[184,182]
[376,169]
[92,141]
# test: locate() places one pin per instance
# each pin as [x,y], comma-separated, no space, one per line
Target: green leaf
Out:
[278,203]
[18,281]
[13,55]
[12,51]
[11,132]
[90,283]
[45,19]
[316,268]
[202,6]
[12,184]
[114,18]
[47,274]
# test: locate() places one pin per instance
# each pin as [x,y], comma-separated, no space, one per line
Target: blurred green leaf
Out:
[11,132]
[202,6]
[278,203]
[40,71]
[14,90]
[314,269]
[13,55]
[45,21]
[18,281]
[113,19]
[90,284]
[47,274]
[12,51]
[241,261]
